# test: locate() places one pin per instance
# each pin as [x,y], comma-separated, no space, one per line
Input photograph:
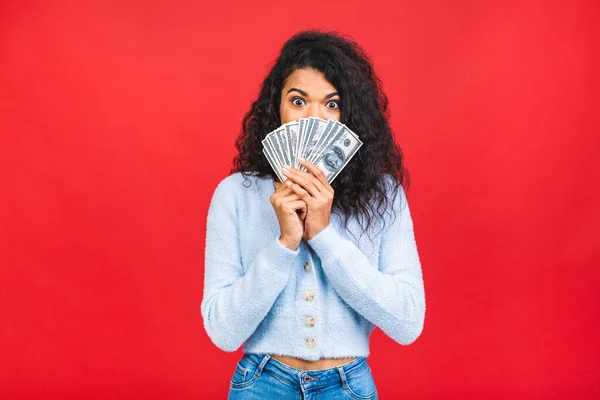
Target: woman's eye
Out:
[334,105]
[297,101]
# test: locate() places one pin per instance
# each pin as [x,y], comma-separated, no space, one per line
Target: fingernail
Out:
[302,159]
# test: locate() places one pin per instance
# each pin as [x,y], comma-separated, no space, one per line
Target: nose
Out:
[314,110]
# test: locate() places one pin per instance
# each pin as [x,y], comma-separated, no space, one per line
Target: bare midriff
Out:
[323,363]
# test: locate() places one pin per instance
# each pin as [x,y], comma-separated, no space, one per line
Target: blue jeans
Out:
[261,377]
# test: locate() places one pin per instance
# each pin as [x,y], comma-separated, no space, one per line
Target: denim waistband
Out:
[314,378]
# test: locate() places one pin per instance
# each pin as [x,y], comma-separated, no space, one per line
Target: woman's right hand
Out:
[291,212]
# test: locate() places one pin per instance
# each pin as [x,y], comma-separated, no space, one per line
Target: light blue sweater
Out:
[322,300]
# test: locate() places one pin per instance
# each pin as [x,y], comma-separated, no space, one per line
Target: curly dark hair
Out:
[360,189]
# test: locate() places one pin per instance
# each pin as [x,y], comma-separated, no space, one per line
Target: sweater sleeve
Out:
[390,295]
[237,299]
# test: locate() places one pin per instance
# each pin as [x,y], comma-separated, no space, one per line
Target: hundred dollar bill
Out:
[326,139]
[319,128]
[283,142]
[272,146]
[304,139]
[291,133]
[338,154]
[269,149]
[302,122]
[278,145]
[274,165]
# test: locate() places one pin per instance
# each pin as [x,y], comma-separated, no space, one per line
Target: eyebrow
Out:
[303,93]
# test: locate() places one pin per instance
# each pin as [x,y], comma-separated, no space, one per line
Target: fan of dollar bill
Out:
[328,144]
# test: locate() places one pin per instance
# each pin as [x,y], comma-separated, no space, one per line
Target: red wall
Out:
[117,122]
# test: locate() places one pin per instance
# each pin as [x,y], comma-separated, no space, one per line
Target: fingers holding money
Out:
[316,196]
[318,174]
[285,197]
[308,185]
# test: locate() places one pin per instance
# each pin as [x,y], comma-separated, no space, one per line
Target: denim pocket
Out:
[360,385]
[244,375]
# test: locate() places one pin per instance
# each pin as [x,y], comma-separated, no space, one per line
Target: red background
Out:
[117,120]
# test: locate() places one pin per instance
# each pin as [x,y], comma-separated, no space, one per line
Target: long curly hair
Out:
[360,190]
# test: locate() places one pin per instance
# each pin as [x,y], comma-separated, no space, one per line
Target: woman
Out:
[301,272]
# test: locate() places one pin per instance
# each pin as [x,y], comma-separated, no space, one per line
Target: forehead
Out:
[309,80]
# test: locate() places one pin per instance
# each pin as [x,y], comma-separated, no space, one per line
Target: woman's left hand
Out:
[316,192]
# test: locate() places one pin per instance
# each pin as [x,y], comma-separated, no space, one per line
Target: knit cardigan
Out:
[322,300]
